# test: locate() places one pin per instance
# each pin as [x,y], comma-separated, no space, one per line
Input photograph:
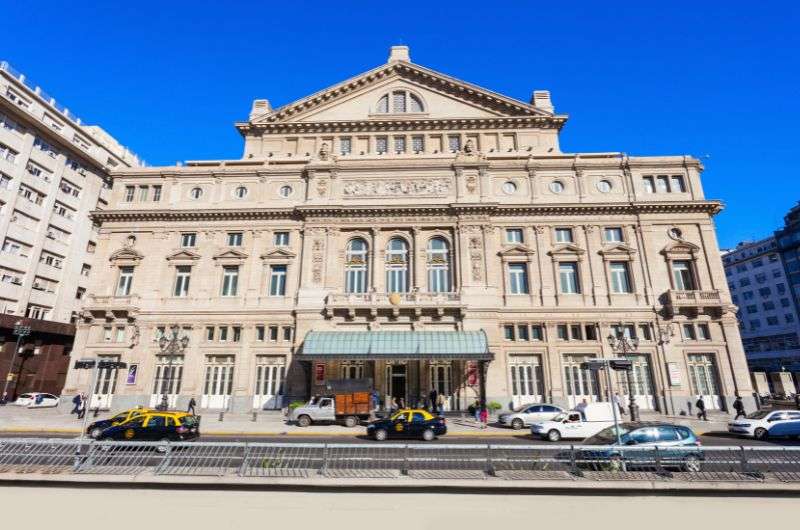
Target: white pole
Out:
[614,410]
[88,401]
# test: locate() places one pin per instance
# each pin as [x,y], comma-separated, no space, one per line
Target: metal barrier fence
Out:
[385,461]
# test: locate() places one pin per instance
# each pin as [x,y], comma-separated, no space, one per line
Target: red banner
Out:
[319,373]
[472,373]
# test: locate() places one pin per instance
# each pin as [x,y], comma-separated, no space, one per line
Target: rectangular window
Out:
[649,185]
[564,235]
[518,278]
[683,276]
[418,144]
[562,332]
[107,333]
[620,277]
[522,332]
[273,333]
[281,239]
[399,144]
[129,193]
[536,333]
[789,318]
[454,143]
[575,332]
[125,281]
[287,333]
[209,333]
[260,332]
[120,334]
[156,193]
[612,234]
[508,332]
[514,235]
[237,333]
[188,240]
[662,184]
[677,184]
[381,144]
[230,280]
[772,321]
[234,239]
[8,154]
[144,191]
[182,276]
[223,333]
[345,145]
[568,277]
[757,263]
[752,308]
[590,332]
[644,332]
[5,181]
[688,332]
[703,332]
[277,280]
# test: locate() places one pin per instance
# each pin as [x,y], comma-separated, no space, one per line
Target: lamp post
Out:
[171,347]
[626,346]
[665,334]
[20,330]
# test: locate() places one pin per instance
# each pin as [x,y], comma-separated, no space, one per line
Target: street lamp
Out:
[171,346]
[627,346]
[665,334]
[20,330]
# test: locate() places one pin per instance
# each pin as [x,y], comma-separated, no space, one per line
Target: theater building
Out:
[424,232]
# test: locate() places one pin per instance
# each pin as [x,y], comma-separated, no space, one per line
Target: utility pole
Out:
[20,331]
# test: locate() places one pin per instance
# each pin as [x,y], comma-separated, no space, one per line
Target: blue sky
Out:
[718,81]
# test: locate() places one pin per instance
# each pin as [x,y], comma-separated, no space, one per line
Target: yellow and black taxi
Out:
[155,426]
[408,423]
[94,429]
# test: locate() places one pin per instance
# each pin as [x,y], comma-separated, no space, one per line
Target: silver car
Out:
[525,415]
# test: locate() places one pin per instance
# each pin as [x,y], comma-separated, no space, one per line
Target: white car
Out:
[526,415]
[36,400]
[758,424]
[580,423]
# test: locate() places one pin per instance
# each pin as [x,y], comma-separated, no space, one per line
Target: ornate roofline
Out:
[308,212]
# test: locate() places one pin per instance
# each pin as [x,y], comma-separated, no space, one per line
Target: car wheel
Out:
[691,464]
[553,435]
[350,421]
[95,433]
[304,421]
[428,435]
[381,435]
[761,434]
[517,424]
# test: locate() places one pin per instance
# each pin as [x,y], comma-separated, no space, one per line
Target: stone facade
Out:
[406,200]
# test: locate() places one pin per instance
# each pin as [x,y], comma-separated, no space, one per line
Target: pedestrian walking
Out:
[618,403]
[433,397]
[82,407]
[701,408]
[76,404]
[394,405]
[484,417]
[738,406]
[440,404]
[192,405]
[477,410]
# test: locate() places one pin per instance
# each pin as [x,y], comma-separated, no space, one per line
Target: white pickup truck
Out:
[579,423]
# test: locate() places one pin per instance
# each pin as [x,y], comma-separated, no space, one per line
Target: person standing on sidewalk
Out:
[618,404]
[738,406]
[440,404]
[82,406]
[701,409]
[76,404]
[433,398]
[192,405]
[484,417]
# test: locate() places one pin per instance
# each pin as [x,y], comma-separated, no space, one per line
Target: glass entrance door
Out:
[703,375]
[218,385]
[526,379]
[270,375]
[167,380]
[581,384]
[441,378]
[105,386]
[396,383]
[641,383]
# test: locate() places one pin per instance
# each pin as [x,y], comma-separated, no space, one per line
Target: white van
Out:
[579,423]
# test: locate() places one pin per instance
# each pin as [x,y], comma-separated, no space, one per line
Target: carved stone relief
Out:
[396,188]
[476,258]
[317,259]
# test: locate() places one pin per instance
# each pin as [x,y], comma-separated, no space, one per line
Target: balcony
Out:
[413,302]
[111,306]
[692,301]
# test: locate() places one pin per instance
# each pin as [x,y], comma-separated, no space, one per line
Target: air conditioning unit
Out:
[51,235]
[16,281]
[82,171]
[37,285]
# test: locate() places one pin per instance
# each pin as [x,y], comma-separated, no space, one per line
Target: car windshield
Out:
[758,415]
[119,417]
[606,436]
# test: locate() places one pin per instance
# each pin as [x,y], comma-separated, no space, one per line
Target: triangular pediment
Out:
[231,254]
[183,255]
[566,249]
[617,248]
[127,254]
[680,247]
[278,254]
[443,97]
[516,250]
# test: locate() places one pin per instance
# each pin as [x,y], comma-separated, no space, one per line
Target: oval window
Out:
[196,193]
[240,192]
[509,188]
[285,191]
[604,186]
[556,186]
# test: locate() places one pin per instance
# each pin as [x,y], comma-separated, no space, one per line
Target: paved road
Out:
[709,439]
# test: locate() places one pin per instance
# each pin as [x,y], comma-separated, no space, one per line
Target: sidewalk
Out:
[273,423]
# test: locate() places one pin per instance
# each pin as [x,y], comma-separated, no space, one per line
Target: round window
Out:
[556,186]
[285,191]
[604,186]
[509,187]
[196,193]
[240,192]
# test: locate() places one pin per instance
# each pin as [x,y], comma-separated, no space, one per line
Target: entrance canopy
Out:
[395,345]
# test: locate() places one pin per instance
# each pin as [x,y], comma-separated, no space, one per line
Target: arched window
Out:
[439,266]
[399,102]
[356,266]
[397,266]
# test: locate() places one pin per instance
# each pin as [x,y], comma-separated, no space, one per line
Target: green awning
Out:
[395,345]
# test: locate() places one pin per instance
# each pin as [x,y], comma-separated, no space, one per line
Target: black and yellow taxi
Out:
[155,426]
[95,428]
[408,423]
